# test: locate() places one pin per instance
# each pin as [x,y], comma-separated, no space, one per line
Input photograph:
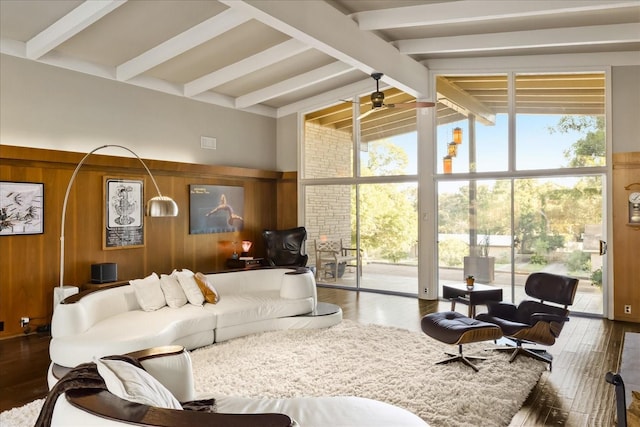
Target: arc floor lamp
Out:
[157,206]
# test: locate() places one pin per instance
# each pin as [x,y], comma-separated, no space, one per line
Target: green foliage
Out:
[553,242]
[385,158]
[587,151]
[388,212]
[579,261]
[540,251]
[596,278]
[451,252]
[538,259]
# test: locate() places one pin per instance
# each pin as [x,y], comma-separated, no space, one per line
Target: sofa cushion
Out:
[240,309]
[131,383]
[132,331]
[149,293]
[189,286]
[206,287]
[172,290]
[338,411]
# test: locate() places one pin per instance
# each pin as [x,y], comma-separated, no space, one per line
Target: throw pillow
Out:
[208,290]
[148,292]
[189,286]
[172,290]
[134,384]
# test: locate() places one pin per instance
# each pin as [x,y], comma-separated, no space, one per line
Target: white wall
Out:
[47,107]
[625,82]
[288,143]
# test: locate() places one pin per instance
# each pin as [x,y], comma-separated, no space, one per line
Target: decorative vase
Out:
[470,283]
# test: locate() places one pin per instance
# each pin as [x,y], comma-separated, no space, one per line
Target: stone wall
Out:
[328,154]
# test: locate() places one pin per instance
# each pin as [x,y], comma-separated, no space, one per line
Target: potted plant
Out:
[470,281]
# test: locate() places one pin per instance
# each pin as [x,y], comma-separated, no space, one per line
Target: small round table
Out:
[323,309]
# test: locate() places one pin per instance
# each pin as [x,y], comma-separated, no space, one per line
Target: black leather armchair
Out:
[535,321]
[284,247]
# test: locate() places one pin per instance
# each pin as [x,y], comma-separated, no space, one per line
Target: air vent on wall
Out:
[208,142]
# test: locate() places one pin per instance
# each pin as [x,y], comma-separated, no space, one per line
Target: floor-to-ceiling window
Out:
[519,176]
[360,190]
[523,189]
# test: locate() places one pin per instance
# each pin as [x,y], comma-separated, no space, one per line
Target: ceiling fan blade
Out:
[411,105]
[366,113]
[373,110]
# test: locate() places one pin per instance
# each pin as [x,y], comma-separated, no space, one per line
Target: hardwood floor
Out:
[573,394]
[23,369]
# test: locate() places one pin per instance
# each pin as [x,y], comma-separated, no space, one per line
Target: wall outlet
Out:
[426,291]
[627,309]
[24,321]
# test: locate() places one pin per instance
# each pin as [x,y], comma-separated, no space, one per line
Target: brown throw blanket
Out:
[86,376]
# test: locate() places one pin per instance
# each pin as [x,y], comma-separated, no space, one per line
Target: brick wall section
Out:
[328,154]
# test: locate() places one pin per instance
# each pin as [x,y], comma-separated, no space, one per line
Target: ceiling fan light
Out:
[377,98]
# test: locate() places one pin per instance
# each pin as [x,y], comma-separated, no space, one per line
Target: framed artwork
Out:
[124,213]
[215,209]
[21,208]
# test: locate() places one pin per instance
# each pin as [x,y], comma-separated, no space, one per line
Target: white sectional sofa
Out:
[111,321]
[172,368]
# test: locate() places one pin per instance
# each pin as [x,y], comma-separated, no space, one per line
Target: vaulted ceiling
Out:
[279,57]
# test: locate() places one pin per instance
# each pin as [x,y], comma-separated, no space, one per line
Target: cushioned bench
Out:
[451,327]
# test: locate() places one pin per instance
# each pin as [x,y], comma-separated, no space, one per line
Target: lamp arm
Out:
[66,198]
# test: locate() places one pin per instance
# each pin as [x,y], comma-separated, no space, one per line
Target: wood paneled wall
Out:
[29,264]
[287,201]
[626,238]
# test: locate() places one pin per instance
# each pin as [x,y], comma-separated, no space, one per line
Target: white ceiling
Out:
[278,57]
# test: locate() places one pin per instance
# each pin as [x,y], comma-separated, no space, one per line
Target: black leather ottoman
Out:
[451,327]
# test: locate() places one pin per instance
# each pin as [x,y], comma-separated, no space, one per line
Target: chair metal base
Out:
[461,358]
[541,355]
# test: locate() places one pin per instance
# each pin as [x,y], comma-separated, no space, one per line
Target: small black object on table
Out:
[244,264]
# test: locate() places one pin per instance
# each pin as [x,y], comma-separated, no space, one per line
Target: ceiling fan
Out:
[377,100]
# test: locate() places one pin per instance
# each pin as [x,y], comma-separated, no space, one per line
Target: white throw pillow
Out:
[172,290]
[190,286]
[148,292]
[134,384]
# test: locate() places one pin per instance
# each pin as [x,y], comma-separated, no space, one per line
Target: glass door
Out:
[558,228]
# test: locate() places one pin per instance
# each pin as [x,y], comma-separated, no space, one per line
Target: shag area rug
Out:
[351,359]
[383,363]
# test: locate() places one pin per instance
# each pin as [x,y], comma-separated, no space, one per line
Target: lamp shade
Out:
[162,206]
[452,149]
[447,165]
[457,135]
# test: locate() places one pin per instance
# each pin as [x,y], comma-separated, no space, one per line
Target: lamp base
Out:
[60,293]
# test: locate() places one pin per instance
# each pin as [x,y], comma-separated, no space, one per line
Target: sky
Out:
[536,147]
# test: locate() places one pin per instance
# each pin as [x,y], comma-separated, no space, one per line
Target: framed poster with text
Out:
[124,213]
